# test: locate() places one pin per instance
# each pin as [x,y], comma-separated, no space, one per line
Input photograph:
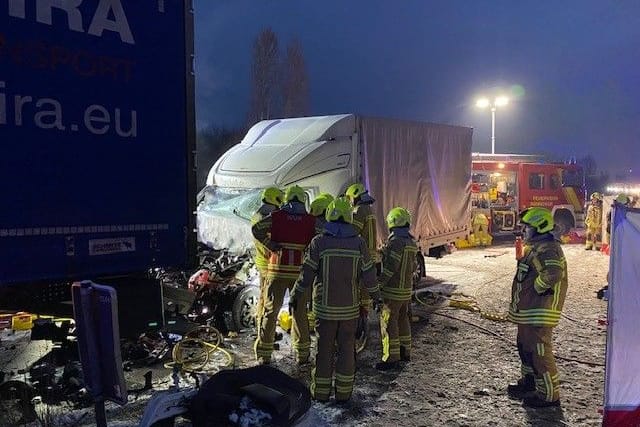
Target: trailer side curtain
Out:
[423,167]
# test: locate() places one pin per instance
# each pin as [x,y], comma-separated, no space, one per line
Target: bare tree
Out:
[295,86]
[589,165]
[594,179]
[264,73]
[211,143]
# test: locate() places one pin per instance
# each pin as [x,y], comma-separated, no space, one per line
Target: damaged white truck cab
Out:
[421,166]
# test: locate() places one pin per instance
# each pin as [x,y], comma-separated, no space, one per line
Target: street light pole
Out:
[493,130]
[500,101]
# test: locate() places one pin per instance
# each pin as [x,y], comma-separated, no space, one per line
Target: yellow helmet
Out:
[398,217]
[295,193]
[354,191]
[339,210]
[320,203]
[596,195]
[273,196]
[623,199]
[539,218]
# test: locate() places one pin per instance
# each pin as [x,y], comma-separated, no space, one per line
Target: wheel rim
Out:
[248,310]
[418,274]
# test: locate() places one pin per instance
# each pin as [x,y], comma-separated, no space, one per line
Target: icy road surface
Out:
[459,372]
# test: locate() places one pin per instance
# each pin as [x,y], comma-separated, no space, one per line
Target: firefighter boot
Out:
[535,401]
[387,366]
[523,387]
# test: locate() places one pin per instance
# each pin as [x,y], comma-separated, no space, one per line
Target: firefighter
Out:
[480,225]
[396,282]
[593,221]
[537,297]
[319,208]
[286,233]
[364,222]
[336,263]
[272,198]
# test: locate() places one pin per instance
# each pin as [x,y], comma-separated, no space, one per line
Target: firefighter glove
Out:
[293,302]
[364,311]
[377,304]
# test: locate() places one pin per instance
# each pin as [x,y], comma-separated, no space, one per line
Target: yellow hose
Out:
[469,303]
[208,339]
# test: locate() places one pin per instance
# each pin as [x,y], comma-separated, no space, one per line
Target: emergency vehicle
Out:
[504,184]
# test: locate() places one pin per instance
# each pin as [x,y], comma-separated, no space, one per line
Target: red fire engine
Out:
[504,184]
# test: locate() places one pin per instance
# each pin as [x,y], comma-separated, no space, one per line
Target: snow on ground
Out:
[459,372]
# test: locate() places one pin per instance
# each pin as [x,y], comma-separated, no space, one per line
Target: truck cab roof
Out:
[269,144]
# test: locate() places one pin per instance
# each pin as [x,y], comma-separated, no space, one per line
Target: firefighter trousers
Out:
[536,355]
[395,330]
[274,291]
[594,238]
[334,336]
[262,274]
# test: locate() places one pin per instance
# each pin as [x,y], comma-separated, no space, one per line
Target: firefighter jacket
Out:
[336,263]
[262,253]
[594,216]
[480,219]
[540,284]
[364,222]
[399,262]
[320,223]
[286,232]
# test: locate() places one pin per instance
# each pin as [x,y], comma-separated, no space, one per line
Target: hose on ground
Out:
[194,352]
[490,332]
[469,303]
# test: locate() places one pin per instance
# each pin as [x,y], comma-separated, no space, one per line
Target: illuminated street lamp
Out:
[500,101]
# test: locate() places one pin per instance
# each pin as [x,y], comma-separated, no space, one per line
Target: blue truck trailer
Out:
[97,137]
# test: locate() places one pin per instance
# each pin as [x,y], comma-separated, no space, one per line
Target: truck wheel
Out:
[437,252]
[244,308]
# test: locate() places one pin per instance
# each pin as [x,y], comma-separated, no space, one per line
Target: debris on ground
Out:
[461,360]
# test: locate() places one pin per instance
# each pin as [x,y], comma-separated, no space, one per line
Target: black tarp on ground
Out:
[286,399]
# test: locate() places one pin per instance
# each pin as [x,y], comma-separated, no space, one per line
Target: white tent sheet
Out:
[622,385]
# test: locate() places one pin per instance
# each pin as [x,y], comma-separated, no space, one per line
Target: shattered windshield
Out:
[242,202]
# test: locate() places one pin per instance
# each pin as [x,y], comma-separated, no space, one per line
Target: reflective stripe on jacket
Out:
[336,266]
[399,258]
[540,284]
[364,222]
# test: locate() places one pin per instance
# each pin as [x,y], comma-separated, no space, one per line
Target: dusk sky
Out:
[573,67]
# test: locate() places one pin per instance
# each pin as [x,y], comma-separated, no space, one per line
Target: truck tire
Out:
[244,308]
[437,252]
